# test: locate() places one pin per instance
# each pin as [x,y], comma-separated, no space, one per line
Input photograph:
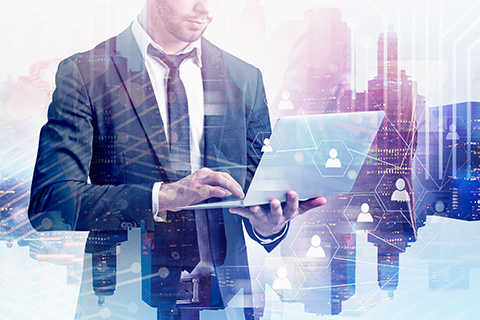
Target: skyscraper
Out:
[393,92]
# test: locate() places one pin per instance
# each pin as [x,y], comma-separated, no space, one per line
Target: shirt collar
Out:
[144,40]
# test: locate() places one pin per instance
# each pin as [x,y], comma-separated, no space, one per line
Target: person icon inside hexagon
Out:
[365,216]
[266,146]
[282,282]
[286,103]
[315,251]
[333,161]
[400,194]
[453,135]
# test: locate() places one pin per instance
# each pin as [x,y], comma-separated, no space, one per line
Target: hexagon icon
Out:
[332,158]
[314,246]
[283,275]
[289,100]
[365,211]
[395,191]
[437,203]
[270,145]
[452,129]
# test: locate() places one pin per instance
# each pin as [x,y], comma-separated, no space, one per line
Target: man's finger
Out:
[276,208]
[226,181]
[258,212]
[313,203]
[291,208]
[207,191]
[243,212]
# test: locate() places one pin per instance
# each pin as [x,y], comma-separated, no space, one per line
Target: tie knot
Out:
[171,60]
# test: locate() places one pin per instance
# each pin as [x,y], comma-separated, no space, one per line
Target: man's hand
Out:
[269,222]
[201,185]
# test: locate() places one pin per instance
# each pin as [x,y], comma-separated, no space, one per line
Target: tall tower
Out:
[393,92]
[387,55]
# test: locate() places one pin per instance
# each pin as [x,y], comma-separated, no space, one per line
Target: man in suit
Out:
[116,154]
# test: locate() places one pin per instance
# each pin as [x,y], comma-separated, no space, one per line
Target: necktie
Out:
[178,117]
[179,143]
[180,149]
[184,242]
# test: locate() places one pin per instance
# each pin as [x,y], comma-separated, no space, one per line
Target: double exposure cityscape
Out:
[402,243]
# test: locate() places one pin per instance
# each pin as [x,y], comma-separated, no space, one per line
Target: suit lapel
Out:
[135,80]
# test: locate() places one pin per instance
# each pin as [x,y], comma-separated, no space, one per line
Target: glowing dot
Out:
[47,224]
[172,96]
[174,137]
[123,137]
[132,307]
[298,157]
[136,267]
[171,194]
[352,174]
[203,192]
[366,41]
[163,272]
[333,68]
[105,313]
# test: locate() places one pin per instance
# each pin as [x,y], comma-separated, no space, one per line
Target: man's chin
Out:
[193,36]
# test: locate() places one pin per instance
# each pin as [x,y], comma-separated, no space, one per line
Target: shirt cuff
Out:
[273,238]
[158,216]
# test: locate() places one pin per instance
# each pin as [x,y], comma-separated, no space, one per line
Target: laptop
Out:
[313,155]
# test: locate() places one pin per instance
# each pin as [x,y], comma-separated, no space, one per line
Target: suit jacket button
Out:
[175,255]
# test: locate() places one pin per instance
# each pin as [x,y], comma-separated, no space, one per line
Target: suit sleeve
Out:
[61,196]
[258,128]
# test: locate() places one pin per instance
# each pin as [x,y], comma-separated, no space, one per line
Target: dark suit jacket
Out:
[104,124]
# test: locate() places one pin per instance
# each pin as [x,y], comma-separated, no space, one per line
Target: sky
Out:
[439,41]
